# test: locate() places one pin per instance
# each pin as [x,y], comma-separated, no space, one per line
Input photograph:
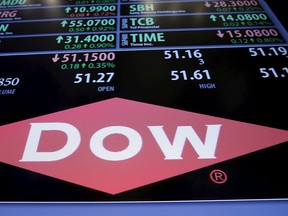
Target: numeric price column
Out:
[91,70]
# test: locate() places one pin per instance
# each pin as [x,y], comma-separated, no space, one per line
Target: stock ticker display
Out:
[134,100]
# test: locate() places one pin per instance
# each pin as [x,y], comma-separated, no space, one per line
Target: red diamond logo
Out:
[118,145]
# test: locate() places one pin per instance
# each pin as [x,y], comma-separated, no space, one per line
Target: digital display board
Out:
[142,101]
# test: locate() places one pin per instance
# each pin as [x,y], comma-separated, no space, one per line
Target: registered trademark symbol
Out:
[218,176]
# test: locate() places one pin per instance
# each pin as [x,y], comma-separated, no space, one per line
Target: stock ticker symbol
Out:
[118,145]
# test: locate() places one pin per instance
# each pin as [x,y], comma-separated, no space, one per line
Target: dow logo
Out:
[118,145]
[171,151]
